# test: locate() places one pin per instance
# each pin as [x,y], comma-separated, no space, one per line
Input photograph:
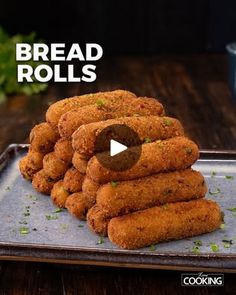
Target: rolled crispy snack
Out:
[59,194]
[56,110]
[142,106]
[164,223]
[176,153]
[43,138]
[90,188]
[77,205]
[63,150]
[149,128]
[73,180]
[133,195]
[80,162]
[54,167]
[98,219]
[42,183]
[31,163]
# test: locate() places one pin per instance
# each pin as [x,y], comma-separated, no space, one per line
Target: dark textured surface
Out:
[193,89]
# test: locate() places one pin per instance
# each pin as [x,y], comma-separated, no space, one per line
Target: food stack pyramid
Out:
[158,198]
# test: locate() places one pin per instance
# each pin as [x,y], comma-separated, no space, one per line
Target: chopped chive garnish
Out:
[58,210]
[229,177]
[114,183]
[147,140]
[231,242]
[100,103]
[33,198]
[167,122]
[195,249]
[80,225]
[226,245]
[197,243]
[51,217]
[7,188]
[152,248]
[24,230]
[26,214]
[214,247]
[222,226]
[213,173]
[232,209]
[100,241]
[215,192]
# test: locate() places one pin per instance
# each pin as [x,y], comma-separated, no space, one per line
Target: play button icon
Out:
[116,147]
[122,147]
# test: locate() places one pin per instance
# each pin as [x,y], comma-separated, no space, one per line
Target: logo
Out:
[202,279]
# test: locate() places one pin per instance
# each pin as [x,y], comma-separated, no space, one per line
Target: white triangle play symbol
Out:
[116,147]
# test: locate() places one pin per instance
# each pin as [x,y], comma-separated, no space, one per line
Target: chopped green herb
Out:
[64,226]
[114,183]
[58,210]
[34,229]
[26,214]
[197,243]
[232,209]
[214,247]
[195,249]
[213,174]
[100,103]
[27,207]
[80,225]
[7,188]
[51,217]
[24,230]
[152,248]
[147,140]
[215,192]
[231,242]
[229,177]
[222,226]
[100,241]
[226,245]
[23,222]
[167,122]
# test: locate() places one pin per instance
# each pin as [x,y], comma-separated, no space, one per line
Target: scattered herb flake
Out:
[114,183]
[197,243]
[229,177]
[167,122]
[152,248]
[34,229]
[100,241]
[147,140]
[23,222]
[195,249]
[57,210]
[226,245]
[214,247]
[7,188]
[51,217]
[231,242]
[100,103]
[165,206]
[33,198]
[188,150]
[215,192]
[222,226]
[24,230]
[26,214]
[80,225]
[232,209]
[213,174]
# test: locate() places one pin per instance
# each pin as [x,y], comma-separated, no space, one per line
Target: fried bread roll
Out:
[42,183]
[164,223]
[63,150]
[54,167]
[73,180]
[59,194]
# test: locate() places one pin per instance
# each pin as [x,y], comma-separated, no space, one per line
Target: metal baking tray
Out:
[58,237]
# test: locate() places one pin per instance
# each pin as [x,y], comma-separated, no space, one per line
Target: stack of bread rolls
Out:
[159,198]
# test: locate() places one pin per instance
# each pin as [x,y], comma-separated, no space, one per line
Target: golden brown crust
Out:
[80,162]
[97,220]
[63,150]
[172,154]
[73,180]
[148,127]
[54,167]
[149,191]
[56,110]
[171,222]
[59,194]
[42,183]
[112,108]
[43,138]
[78,205]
